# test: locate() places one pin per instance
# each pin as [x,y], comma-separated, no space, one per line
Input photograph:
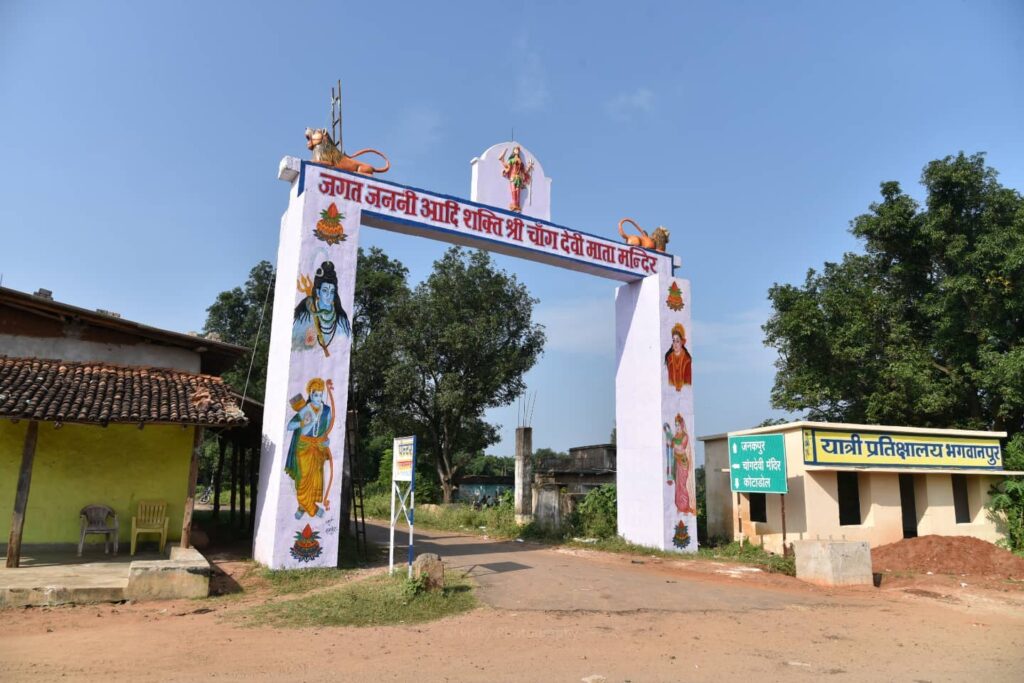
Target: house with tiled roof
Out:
[96,409]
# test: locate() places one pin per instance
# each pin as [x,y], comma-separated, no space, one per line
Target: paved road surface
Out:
[530,576]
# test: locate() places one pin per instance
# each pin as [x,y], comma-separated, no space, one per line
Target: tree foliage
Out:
[381,285]
[545,454]
[490,465]
[597,513]
[234,317]
[924,328]
[462,340]
[1007,508]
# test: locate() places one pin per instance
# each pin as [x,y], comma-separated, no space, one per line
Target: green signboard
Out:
[757,464]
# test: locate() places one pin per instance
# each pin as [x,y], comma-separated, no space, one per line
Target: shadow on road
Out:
[449,546]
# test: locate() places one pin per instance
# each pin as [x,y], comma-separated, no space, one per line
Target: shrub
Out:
[1013,454]
[1006,508]
[700,481]
[378,506]
[596,515]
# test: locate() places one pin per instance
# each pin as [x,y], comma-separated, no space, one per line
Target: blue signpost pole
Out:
[412,503]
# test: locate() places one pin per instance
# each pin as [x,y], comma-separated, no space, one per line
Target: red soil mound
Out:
[947,555]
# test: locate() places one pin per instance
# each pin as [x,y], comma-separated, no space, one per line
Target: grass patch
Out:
[748,553]
[286,581]
[497,522]
[377,601]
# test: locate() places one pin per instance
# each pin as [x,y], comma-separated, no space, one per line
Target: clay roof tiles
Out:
[101,393]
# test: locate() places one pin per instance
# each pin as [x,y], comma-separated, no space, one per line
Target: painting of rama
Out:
[310,449]
[319,317]
[678,359]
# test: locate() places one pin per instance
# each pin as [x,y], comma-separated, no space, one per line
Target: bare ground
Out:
[553,614]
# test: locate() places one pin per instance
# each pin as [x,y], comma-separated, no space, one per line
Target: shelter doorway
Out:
[908,505]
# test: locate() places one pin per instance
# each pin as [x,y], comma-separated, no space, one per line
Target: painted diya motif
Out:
[681,539]
[307,545]
[675,298]
[329,227]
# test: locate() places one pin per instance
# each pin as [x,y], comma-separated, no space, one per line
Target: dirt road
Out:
[555,615]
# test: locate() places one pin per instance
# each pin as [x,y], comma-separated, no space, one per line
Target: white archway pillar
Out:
[655,447]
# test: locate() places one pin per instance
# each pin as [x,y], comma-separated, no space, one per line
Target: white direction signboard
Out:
[403,468]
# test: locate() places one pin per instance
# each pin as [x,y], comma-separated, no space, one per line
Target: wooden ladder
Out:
[358,510]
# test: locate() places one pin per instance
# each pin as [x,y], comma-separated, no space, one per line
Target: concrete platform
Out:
[56,577]
[833,563]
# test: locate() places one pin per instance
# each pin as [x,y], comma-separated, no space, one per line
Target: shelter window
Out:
[960,507]
[758,507]
[849,498]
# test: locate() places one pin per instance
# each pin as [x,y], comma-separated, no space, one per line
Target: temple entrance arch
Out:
[297,514]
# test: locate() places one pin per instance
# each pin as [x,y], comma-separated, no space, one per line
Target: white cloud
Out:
[531,83]
[585,327]
[626,105]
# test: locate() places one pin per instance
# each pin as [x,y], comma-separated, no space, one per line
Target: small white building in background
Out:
[871,483]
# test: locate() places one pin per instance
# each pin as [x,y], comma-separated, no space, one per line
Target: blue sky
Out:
[140,146]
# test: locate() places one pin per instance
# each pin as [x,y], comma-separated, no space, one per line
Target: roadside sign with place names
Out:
[757,464]
[404,458]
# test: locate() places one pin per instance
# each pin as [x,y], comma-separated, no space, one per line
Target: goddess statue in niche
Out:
[519,174]
[319,316]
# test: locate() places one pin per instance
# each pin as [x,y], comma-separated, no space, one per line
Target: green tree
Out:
[462,342]
[234,317]
[1006,506]
[381,285]
[545,455]
[490,465]
[926,327]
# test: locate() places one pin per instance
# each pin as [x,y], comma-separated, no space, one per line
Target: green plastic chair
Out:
[151,518]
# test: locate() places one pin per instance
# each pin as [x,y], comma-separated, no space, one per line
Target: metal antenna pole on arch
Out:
[336,116]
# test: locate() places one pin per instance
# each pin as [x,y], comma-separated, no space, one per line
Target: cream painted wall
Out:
[940,517]
[886,508]
[78,465]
